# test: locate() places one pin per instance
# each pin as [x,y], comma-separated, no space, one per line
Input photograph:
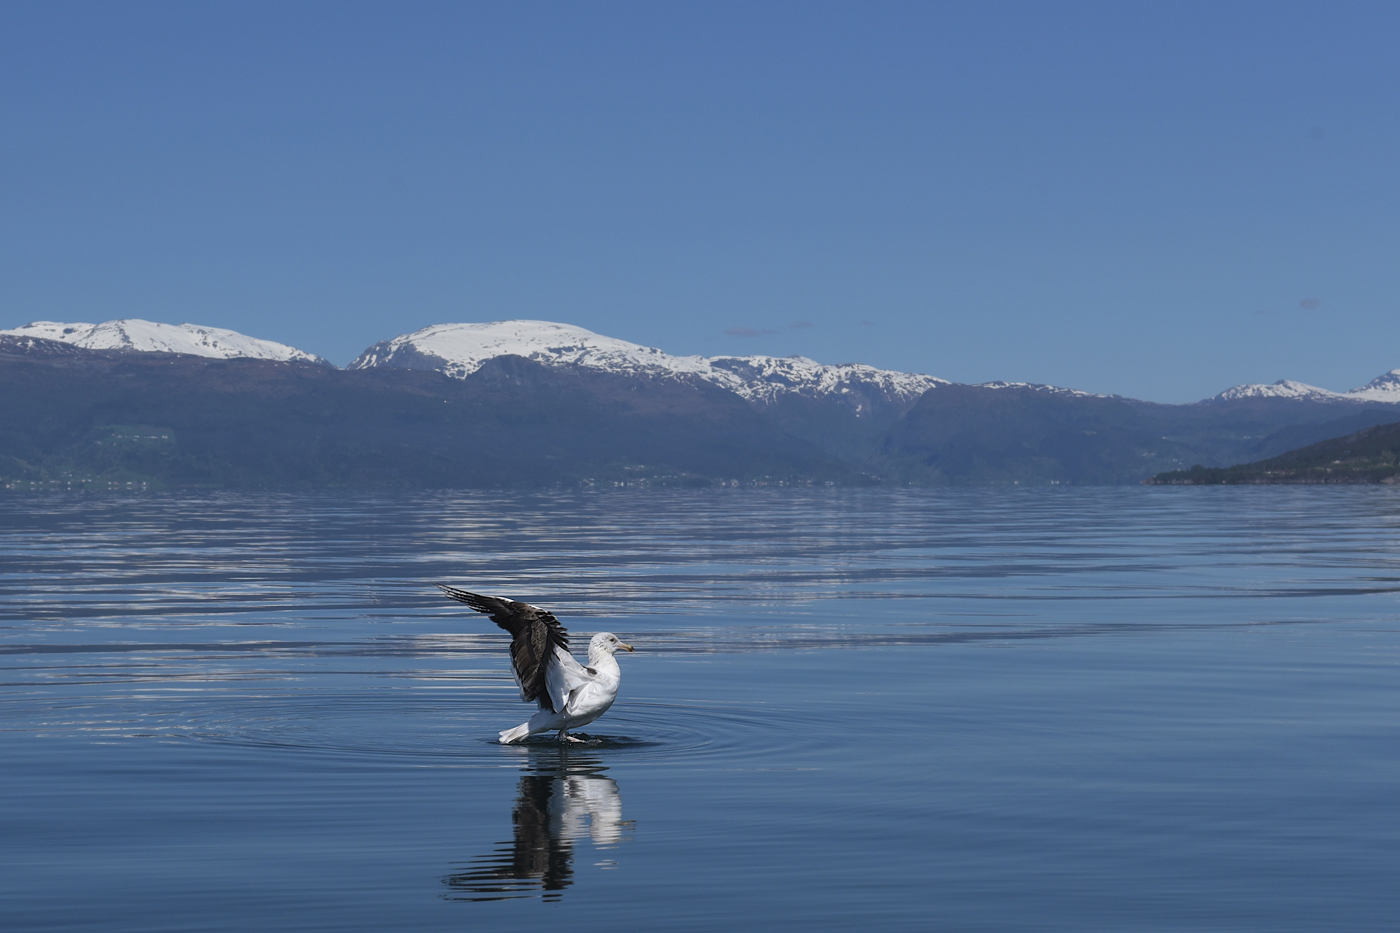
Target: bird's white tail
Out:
[515,735]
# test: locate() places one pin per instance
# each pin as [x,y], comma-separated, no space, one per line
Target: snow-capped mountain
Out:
[460,349]
[1383,388]
[1284,388]
[149,337]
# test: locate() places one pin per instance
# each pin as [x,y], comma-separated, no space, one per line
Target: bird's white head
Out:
[606,643]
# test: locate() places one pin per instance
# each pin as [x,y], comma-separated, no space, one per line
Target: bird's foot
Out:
[572,739]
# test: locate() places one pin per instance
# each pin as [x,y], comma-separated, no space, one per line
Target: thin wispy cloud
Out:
[800,325]
[748,332]
[1307,304]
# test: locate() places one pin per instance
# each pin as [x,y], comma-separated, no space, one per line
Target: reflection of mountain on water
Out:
[564,798]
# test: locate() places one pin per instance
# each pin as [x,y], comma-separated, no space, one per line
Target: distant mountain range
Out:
[459,349]
[531,403]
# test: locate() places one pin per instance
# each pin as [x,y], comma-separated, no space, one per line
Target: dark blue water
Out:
[1092,709]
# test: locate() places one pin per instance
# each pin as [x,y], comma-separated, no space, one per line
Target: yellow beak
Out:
[625,647]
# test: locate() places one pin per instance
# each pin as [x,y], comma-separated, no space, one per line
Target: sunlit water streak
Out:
[1049,709]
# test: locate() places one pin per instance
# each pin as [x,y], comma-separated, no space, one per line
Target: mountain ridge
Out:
[1385,388]
[459,349]
[141,336]
[185,421]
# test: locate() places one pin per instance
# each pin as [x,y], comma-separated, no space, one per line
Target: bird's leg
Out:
[565,737]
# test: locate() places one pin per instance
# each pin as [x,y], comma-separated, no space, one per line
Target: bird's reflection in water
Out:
[562,798]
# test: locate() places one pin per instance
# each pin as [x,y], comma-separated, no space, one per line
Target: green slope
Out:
[1368,456]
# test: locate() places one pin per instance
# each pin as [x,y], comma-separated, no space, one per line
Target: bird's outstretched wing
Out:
[535,634]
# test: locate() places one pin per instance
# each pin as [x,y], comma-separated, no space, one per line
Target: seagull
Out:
[569,694]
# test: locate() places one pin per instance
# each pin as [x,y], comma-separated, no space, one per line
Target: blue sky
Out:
[1155,200]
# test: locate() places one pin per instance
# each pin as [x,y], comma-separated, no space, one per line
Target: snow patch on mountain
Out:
[765,379]
[150,337]
[459,350]
[1042,388]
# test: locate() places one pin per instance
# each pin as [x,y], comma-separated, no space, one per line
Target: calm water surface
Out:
[1067,709]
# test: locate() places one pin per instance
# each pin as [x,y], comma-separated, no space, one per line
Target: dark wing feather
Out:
[534,632]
